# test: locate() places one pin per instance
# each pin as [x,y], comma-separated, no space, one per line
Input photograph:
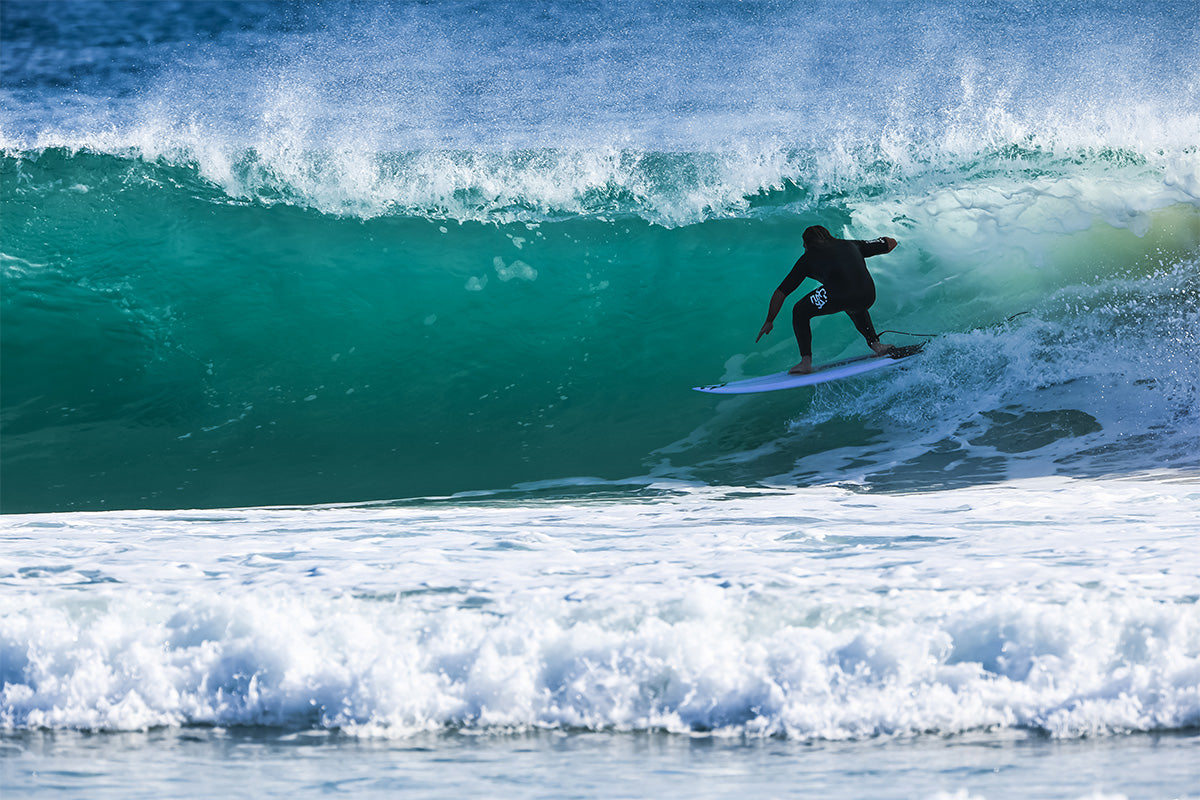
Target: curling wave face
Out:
[167,343]
[234,274]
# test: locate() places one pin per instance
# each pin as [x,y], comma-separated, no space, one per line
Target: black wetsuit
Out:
[839,266]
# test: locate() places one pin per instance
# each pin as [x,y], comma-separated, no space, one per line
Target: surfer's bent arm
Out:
[776,303]
[793,280]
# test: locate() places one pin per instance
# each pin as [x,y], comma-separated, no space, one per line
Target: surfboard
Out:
[834,371]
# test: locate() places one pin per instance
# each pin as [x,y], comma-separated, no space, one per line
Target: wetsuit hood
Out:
[816,235]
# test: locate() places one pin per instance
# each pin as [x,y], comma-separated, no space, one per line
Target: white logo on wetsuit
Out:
[819,299]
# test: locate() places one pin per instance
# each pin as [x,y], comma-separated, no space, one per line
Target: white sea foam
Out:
[1061,606]
[971,193]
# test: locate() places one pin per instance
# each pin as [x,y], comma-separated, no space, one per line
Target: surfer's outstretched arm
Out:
[877,247]
[772,312]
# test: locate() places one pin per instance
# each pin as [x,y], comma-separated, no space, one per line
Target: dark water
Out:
[599,766]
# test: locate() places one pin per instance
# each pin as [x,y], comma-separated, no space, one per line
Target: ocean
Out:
[348,439]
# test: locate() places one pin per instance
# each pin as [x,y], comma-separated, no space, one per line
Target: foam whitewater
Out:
[690,610]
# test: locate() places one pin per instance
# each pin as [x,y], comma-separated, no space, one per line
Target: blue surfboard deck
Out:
[833,371]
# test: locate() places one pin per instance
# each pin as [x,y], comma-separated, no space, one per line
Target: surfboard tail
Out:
[907,350]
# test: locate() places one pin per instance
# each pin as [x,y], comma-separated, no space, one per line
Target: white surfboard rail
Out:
[833,371]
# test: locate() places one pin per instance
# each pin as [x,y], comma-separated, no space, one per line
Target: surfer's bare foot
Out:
[803,368]
[880,348]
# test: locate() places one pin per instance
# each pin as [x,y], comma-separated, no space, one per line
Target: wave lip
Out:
[1016,180]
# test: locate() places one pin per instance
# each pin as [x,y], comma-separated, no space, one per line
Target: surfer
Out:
[846,285]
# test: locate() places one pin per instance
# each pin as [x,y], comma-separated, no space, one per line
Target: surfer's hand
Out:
[890,242]
[766,328]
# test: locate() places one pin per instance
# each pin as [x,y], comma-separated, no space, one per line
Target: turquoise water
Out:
[259,254]
[169,344]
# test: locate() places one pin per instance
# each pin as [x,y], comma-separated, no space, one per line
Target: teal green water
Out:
[169,342]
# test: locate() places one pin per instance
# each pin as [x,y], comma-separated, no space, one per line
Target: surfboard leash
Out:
[934,335]
[914,335]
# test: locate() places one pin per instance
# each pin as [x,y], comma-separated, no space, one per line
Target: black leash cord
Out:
[917,335]
[933,335]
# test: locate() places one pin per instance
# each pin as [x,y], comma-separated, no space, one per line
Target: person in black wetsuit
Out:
[846,285]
